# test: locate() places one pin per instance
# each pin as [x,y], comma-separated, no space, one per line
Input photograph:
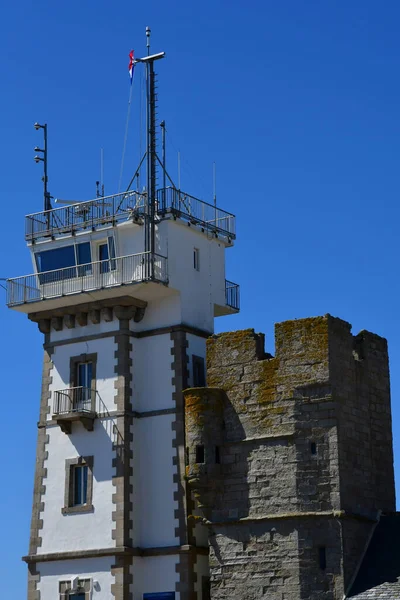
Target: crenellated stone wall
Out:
[289,458]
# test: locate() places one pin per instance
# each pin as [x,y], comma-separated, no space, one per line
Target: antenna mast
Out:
[43,159]
[151,154]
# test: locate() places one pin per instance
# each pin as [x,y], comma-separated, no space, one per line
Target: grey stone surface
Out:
[305,458]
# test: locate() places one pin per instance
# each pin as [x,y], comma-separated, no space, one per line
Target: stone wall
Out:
[288,442]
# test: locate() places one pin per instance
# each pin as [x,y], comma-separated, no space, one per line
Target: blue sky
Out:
[298,105]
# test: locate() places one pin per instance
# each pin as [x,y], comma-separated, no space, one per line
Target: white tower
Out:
[125,289]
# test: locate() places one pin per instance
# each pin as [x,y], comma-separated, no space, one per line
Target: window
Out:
[79,589]
[77,595]
[322,558]
[78,485]
[80,479]
[200,454]
[217,456]
[60,263]
[106,253]
[199,375]
[196,259]
[160,596]
[313,448]
[83,381]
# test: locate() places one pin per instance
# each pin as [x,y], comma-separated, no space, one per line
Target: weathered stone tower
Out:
[290,459]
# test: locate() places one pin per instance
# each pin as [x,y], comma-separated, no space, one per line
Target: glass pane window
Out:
[83,382]
[77,596]
[111,252]
[60,262]
[80,473]
[104,256]
[84,258]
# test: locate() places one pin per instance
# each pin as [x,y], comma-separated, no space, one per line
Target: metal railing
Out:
[110,210]
[208,216]
[93,214]
[73,400]
[114,272]
[232,294]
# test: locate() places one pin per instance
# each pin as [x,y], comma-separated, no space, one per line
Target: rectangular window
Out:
[200,454]
[78,491]
[313,448]
[56,265]
[60,263]
[84,259]
[199,375]
[103,257]
[77,595]
[80,484]
[217,455]
[160,596]
[111,252]
[322,558]
[83,393]
[196,259]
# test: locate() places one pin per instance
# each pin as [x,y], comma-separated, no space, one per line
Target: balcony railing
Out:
[74,400]
[232,295]
[207,216]
[114,272]
[93,214]
[110,210]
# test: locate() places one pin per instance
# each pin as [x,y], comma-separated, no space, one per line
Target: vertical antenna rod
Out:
[150,147]
[164,163]
[43,159]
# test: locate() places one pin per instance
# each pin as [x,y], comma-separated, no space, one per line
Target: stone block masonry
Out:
[289,458]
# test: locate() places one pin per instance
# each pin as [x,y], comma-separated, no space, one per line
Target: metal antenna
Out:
[164,164]
[102,171]
[151,154]
[43,159]
[148,34]
[179,170]
[215,183]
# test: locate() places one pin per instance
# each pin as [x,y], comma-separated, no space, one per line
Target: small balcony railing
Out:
[74,400]
[198,212]
[136,268]
[232,294]
[93,214]
[77,404]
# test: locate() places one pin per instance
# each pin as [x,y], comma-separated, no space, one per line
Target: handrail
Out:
[134,268]
[75,399]
[232,294]
[110,210]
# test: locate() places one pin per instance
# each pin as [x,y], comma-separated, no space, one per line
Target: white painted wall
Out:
[152,374]
[105,349]
[161,313]
[153,486]
[154,574]
[99,569]
[86,531]
[130,239]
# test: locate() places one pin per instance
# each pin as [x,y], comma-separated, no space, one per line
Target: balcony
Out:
[232,295]
[129,206]
[75,404]
[102,275]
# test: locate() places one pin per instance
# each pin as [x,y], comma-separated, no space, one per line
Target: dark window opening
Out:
[80,481]
[313,448]
[217,455]
[322,558]
[199,373]
[187,456]
[200,454]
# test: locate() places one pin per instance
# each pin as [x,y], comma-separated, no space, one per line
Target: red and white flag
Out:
[131,66]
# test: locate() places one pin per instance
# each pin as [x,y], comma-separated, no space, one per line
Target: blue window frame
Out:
[77,596]
[80,473]
[60,263]
[84,258]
